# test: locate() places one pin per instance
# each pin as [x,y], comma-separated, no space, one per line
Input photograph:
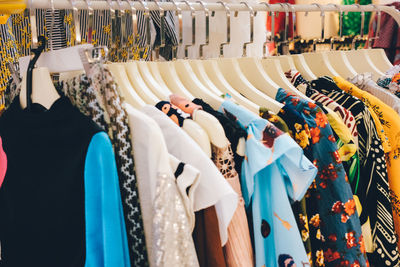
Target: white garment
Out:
[392,71]
[213,188]
[167,211]
[365,82]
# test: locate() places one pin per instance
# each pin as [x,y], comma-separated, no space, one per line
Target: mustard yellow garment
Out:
[376,114]
[387,118]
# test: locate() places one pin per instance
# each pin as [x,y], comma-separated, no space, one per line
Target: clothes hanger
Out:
[158,88]
[186,73]
[120,75]
[166,75]
[338,60]
[37,85]
[272,66]
[359,60]
[319,62]
[252,68]
[208,122]
[219,82]
[378,55]
[298,60]
[233,74]
[132,70]
[168,71]
[196,64]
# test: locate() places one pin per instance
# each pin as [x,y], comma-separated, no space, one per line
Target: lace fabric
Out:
[238,250]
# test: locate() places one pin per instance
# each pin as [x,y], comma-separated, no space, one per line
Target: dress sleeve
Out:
[298,171]
[106,240]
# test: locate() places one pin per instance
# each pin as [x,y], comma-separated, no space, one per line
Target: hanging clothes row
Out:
[288,160]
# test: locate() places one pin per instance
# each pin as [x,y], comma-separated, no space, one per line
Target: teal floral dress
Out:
[335,230]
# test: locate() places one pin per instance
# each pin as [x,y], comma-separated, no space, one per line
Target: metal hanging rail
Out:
[103,5]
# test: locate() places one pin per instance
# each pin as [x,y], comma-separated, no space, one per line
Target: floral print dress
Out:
[329,200]
[373,187]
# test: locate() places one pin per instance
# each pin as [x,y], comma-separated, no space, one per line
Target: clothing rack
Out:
[103,5]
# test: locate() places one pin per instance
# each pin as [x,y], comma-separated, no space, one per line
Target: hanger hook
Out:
[32,16]
[207,17]
[90,21]
[146,15]
[178,13]
[52,24]
[322,14]
[361,36]
[113,26]
[134,27]
[340,10]
[193,15]
[286,8]
[378,25]
[76,17]
[271,38]
[252,15]
[228,28]
[161,10]
[293,19]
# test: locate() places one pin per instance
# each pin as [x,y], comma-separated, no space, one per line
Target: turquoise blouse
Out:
[274,173]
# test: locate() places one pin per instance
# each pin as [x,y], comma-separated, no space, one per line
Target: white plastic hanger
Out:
[360,61]
[208,122]
[338,60]
[378,55]
[271,65]
[165,74]
[200,69]
[41,87]
[319,62]
[252,68]
[214,74]
[132,71]
[233,74]
[197,65]
[62,60]
[286,62]
[142,68]
[301,65]
[186,73]
[121,78]
[161,90]
[43,90]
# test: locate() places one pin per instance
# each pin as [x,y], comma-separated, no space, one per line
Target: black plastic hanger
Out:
[37,52]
